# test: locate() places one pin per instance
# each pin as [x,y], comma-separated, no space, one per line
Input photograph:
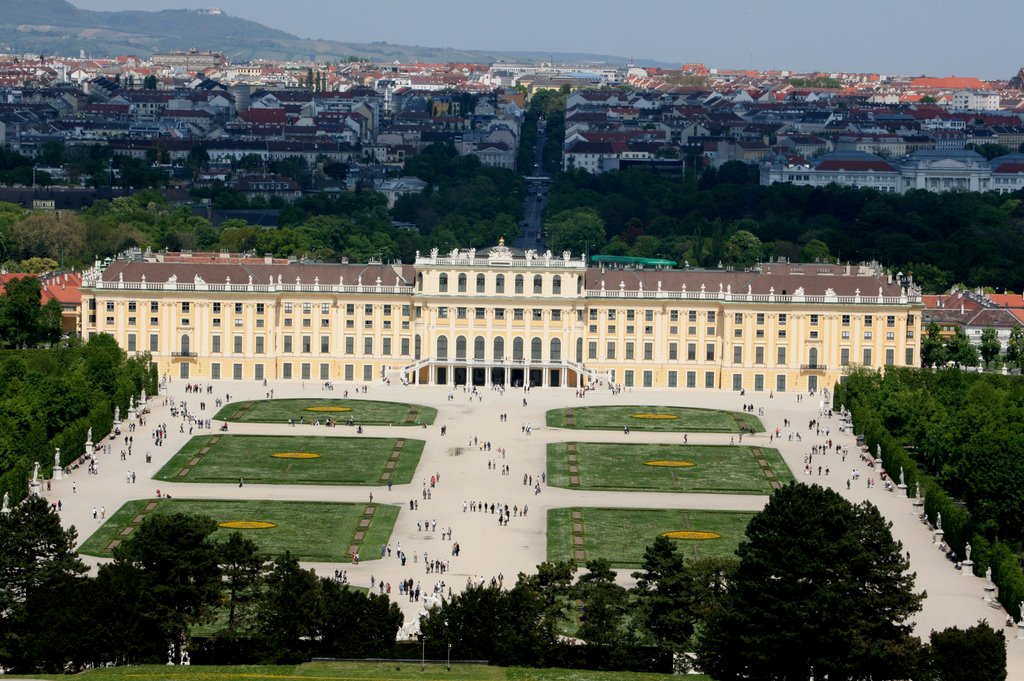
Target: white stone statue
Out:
[878,451]
[967,551]
[56,459]
[6,508]
[918,490]
[938,522]
[142,397]
[902,482]
[131,403]
[988,574]
[117,414]
[88,438]
[35,474]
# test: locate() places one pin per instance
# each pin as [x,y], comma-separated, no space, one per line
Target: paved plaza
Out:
[468,474]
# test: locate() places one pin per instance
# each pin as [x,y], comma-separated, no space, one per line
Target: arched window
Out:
[462,283]
[499,348]
[481,283]
[418,346]
[579,350]
[442,283]
[556,350]
[556,285]
[460,348]
[538,284]
[517,348]
[812,357]
[419,281]
[536,349]
[442,347]
[499,283]
[479,345]
[185,344]
[519,283]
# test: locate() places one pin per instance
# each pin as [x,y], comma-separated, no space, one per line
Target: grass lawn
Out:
[360,671]
[620,535]
[357,412]
[300,460]
[666,419]
[408,671]
[312,531]
[716,469]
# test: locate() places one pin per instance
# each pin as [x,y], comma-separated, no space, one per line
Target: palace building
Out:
[477,317]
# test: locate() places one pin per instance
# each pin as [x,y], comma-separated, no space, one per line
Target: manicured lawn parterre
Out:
[666,467]
[360,671]
[268,459]
[620,535]
[653,418]
[312,531]
[356,412]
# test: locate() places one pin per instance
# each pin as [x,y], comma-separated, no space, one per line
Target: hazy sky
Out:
[933,37]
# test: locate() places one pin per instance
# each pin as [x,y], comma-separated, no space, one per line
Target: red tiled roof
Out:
[855,166]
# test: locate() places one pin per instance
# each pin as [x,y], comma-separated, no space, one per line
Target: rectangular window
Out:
[593,315]
[367,372]
[910,357]
[286,370]
[780,383]
[691,379]
[537,314]
[260,309]
[709,379]
[307,344]
[287,308]
[867,335]
[215,371]
[867,357]
[460,313]
[236,372]
[737,382]
[131,342]
[350,372]
[215,344]
[759,354]
[611,315]
[403,347]
[868,320]
[780,359]
[611,350]
[673,379]
[385,348]
[287,344]
[846,320]
[132,306]
[629,350]
[737,318]
[325,372]
[814,320]
[307,308]
[711,316]
[759,383]
[556,315]
[368,346]
[517,314]
[782,320]
[110,306]
[238,308]
[325,308]
[648,351]
[628,378]
[648,315]
[691,316]
[238,344]
[325,344]
[691,352]
[844,357]
[154,342]
[479,313]
[304,369]
[648,379]
[499,313]
[709,352]
[154,307]
[350,345]
[737,354]
[442,313]
[673,351]
[592,350]
[259,345]
[890,357]
[258,372]
[759,318]
[890,321]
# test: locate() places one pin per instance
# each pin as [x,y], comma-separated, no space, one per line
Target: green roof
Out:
[626,260]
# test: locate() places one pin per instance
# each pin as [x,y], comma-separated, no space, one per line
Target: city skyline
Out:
[878,37]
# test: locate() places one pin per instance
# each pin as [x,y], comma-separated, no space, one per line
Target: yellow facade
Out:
[498,317]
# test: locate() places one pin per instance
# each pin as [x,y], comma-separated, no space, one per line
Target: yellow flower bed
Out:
[670,464]
[295,455]
[246,525]
[328,409]
[655,416]
[691,534]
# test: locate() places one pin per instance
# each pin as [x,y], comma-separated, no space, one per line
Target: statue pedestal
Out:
[35,488]
[990,592]
[938,536]
[878,464]
[901,486]
[1020,630]
[131,414]
[917,501]
[967,568]
[58,473]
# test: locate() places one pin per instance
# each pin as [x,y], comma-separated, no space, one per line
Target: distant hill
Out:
[58,27]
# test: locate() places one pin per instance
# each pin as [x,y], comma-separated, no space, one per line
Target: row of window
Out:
[518,284]
[305,371]
[289,308]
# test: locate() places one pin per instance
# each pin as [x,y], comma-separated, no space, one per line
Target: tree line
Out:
[50,397]
[960,437]
[727,217]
